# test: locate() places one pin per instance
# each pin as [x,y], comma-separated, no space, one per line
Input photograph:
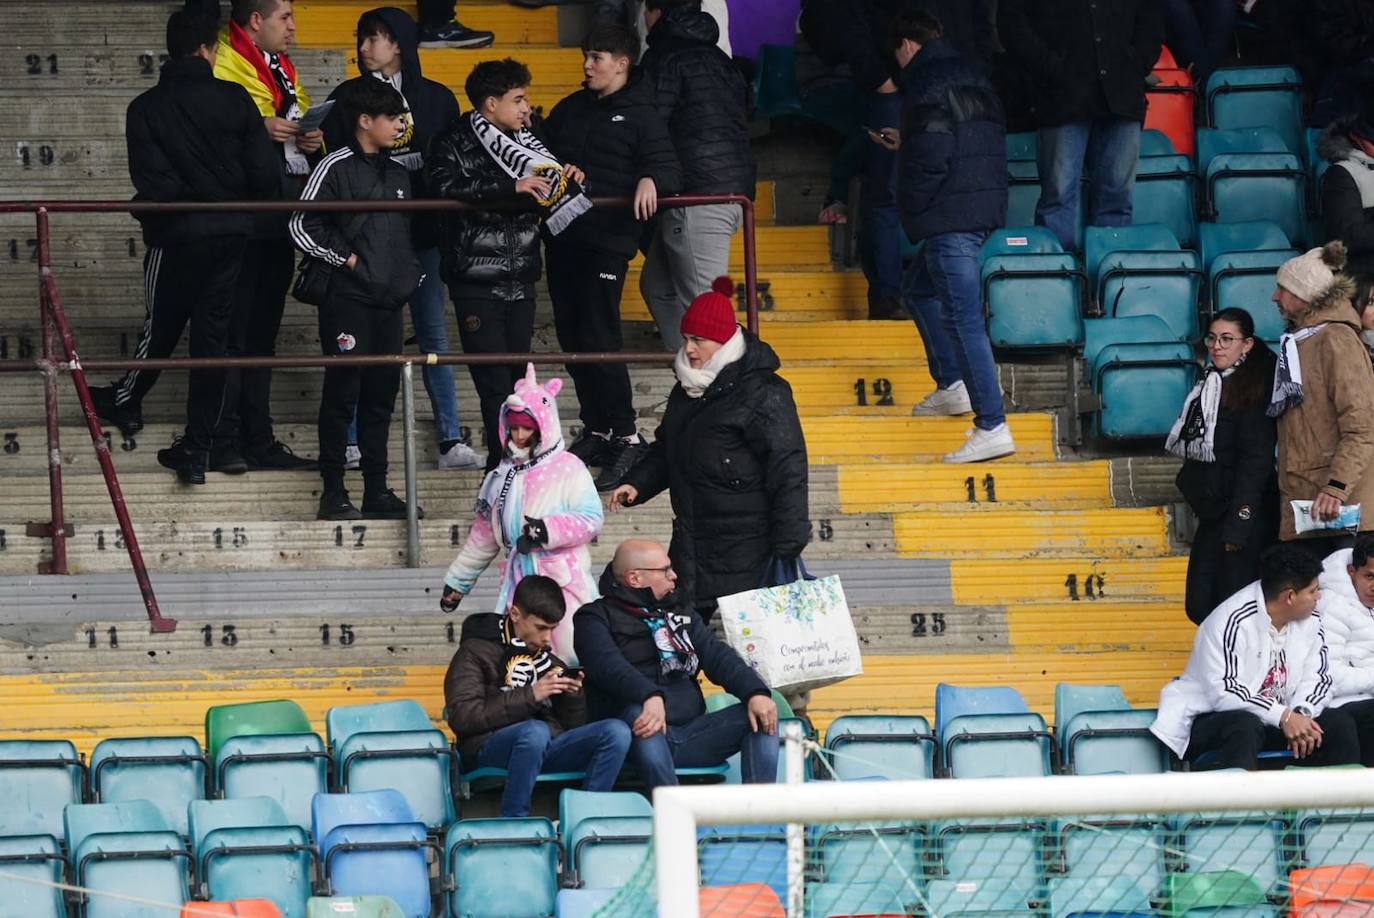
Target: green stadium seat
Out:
[883,852]
[1241,97]
[354,907]
[731,855]
[38,778]
[897,746]
[1165,193]
[833,900]
[1334,836]
[721,700]
[290,768]
[29,865]
[1103,895]
[254,718]
[168,770]
[605,835]
[1205,892]
[1252,843]
[371,845]
[393,744]
[128,849]
[1113,845]
[247,847]
[1217,239]
[1140,372]
[1033,301]
[989,732]
[485,856]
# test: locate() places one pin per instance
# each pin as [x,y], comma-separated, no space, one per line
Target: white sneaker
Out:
[353,456]
[982,445]
[460,456]
[953,400]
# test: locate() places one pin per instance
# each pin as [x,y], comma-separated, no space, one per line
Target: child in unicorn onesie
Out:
[539,506]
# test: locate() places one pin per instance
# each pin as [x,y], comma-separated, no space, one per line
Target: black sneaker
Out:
[621,456]
[335,506]
[888,308]
[128,417]
[591,448]
[277,457]
[387,506]
[453,34]
[189,466]
[227,459]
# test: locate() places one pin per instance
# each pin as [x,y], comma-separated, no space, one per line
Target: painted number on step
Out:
[100,539]
[227,635]
[111,635]
[237,538]
[24,248]
[450,633]
[37,65]
[43,155]
[359,533]
[881,389]
[824,530]
[920,628]
[148,61]
[3,545]
[346,635]
[455,536]
[1094,586]
[11,444]
[989,485]
[24,347]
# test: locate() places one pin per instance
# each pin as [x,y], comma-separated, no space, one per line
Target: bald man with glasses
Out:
[643,648]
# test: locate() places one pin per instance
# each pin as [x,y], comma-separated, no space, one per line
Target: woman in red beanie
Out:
[730,452]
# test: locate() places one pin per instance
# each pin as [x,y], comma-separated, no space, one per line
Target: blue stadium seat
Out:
[840,900]
[1033,301]
[1114,845]
[1246,280]
[353,906]
[1250,843]
[1212,143]
[1334,836]
[371,845]
[1156,143]
[1022,147]
[1217,239]
[394,744]
[290,768]
[1165,192]
[953,701]
[37,779]
[744,854]
[1141,373]
[1241,97]
[989,732]
[485,857]
[999,858]
[883,852]
[168,770]
[605,835]
[28,866]
[1105,895]
[1019,240]
[128,849]
[246,848]
[897,746]
[1099,732]
[1259,186]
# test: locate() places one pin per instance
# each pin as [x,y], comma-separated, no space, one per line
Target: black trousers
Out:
[435,12]
[586,287]
[268,267]
[487,326]
[1238,737]
[351,329]
[1361,713]
[1215,573]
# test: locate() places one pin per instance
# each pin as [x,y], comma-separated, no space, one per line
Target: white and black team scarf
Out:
[296,163]
[524,155]
[1288,374]
[520,666]
[1193,433]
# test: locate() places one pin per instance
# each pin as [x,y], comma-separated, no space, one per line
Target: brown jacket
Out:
[1326,443]
[474,699]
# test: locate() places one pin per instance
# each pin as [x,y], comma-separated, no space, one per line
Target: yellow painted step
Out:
[778,248]
[825,295]
[1077,627]
[871,390]
[996,581]
[1016,486]
[1027,533]
[555,72]
[892,342]
[842,440]
[332,23]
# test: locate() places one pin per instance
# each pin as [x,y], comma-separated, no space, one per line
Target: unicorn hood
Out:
[541,403]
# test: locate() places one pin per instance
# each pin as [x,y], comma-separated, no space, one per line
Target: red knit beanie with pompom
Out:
[712,315]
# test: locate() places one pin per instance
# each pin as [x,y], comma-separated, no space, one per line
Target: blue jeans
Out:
[880,230]
[525,749]
[1198,32]
[942,291]
[1107,151]
[429,315]
[709,740]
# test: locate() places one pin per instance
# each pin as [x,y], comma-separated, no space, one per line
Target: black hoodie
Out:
[433,109]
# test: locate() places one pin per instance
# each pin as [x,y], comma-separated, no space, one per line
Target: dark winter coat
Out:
[387,271]
[1343,36]
[616,140]
[474,699]
[953,173]
[1239,489]
[195,138]
[492,254]
[622,660]
[734,462]
[1348,217]
[704,99]
[433,109]
[1085,59]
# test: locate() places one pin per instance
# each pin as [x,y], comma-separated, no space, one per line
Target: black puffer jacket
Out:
[953,175]
[705,101]
[616,140]
[1343,199]
[1087,59]
[486,253]
[1242,476]
[734,462]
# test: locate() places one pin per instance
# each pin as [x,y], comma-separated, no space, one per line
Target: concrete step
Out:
[1107,533]
[46,65]
[906,439]
[1002,486]
[1089,577]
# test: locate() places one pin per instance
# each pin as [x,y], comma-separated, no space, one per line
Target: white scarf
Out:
[524,155]
[1288,374]
[1196,427]
[696,380]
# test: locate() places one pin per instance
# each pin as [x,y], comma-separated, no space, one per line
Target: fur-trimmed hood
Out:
[1334,144]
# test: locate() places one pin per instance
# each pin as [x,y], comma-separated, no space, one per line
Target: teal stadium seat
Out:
[1033,301]
[730,855]
[485,857]
[1217,239]
[128,849]
[1140,372]
[1132,847]
[1099,732]
[987,899]
[840,900]
[987,864]
[1023,192]
[38,778]
[1019,240]
[291,769]
[168,770]
[1156,143]
[248,848]
[29,865]
[371,845]
[1164,192]
[1099,242]
[989,732]
[1214,142]
[1251,175]
[896,746]
[605,835]
[887,852]
[1242,97]
[1098,896]
[1250,843]
[1022,147]
[1246,280]
[586,903]
[393,744]
[1165,284]
[1334,836]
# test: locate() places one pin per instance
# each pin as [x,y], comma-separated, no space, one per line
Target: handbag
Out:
[795,631]
[314,274]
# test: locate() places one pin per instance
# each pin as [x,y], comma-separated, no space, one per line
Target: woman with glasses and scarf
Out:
[1226,441]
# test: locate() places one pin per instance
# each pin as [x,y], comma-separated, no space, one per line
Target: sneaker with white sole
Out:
[460,456]
[944,402]
[982,445]
[353,456]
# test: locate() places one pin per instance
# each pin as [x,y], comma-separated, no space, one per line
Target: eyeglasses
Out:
[665,570]
[1224,340]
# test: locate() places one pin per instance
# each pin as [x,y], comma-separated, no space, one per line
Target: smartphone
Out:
[573,672]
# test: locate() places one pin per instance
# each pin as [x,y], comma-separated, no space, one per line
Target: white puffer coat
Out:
[1349,628]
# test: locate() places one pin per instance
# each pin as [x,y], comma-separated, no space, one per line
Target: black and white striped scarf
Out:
[521,666]
[1288,374]
[524,155]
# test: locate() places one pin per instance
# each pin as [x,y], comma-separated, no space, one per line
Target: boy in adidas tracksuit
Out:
[375,272]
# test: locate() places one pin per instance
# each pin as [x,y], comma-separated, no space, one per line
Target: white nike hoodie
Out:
[1349,629]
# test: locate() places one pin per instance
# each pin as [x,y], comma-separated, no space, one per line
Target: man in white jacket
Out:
[1258,677]
[1346,608]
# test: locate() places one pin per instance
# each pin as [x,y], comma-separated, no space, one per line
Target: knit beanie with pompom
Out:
[1313,273]
[712,315]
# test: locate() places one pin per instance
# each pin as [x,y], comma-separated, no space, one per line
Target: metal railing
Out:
[60,355]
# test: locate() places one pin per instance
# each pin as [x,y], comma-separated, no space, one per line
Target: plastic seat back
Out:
[897,746]
[1216,239]
[1141,387]
[576,805]
[290,768]
[38,778]
[775,82]
[1335,836]
[168,770]
[740,900]
[1252,843]
[1334,884]
[1167,285]
[1259,186]
[991,854]
[254,718]
[1097,895]
[378,717]
[29,865]
[997,746]
[1241,97]
[1100,241]
[744,854]
[1213,889]
[247,846]
[127,849]
[1155,142]
[1033,301]
[1170,101]
[607,851]
[1100,334]
[1019,240]
[415,762]
[1023,192]
[884,852]
[953,701]
[979,896]
[1165,193]
[1246,280]
[1112,742]
[1022,147]
[585,903]
[1133,848]
[353,906]
[249,908]
[1071,699]
[483,855]
[380,860]
[1212,143]
[832,900]
[379,807]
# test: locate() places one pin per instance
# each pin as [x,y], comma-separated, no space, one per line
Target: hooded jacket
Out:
[705,101]
[616,140]
[1348,195]
[477,698]
[734,464]
[551,486]
[622,660]
[1349,628]
[195,138]
[433,109]
[953,173]
[1229,664]
[1326,443]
